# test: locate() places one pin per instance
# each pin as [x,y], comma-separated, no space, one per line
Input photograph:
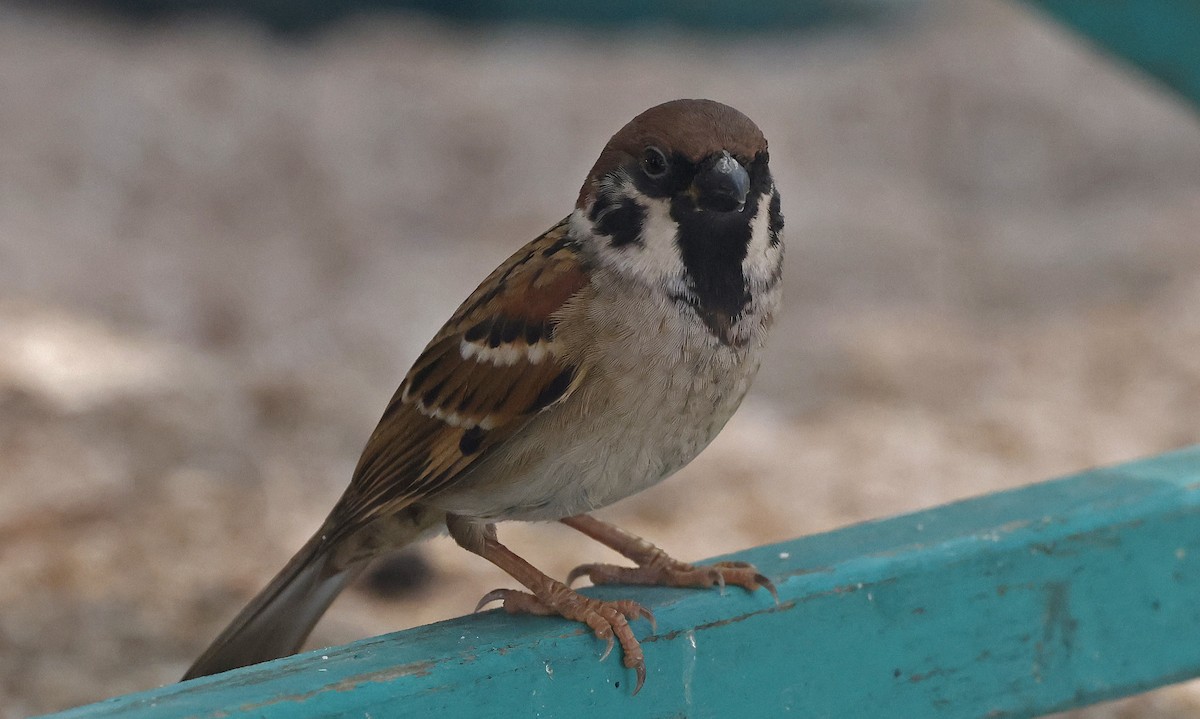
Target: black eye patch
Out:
[678,174]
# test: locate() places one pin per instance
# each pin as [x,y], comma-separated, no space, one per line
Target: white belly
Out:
[645,408]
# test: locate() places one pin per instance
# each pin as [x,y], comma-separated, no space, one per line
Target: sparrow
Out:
[596,361]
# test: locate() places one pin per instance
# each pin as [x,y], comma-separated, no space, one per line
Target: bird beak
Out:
[721,184]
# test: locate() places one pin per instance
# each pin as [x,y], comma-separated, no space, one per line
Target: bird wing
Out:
[494,365]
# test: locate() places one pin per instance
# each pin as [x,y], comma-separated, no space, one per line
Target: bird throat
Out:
[713,246]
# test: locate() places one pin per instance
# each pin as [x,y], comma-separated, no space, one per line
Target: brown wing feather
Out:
[491,367]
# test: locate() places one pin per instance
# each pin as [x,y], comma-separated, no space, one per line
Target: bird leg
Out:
[656,567]
[608,620]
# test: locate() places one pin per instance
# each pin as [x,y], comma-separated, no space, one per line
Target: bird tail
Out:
[277,621]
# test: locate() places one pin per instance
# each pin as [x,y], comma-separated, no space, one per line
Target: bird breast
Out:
[659,386]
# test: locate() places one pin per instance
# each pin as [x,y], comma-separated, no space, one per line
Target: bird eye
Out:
[654,163]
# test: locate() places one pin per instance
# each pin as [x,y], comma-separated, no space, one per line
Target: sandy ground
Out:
[219,253]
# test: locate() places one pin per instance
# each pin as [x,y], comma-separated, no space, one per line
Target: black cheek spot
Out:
[600,206]
[471,441]
[553,391]
[623,223]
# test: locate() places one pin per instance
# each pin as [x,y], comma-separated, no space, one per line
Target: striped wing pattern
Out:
[492,366]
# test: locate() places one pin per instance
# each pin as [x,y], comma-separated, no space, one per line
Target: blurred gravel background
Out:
[220,251]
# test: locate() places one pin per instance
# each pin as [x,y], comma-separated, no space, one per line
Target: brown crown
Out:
[692,128]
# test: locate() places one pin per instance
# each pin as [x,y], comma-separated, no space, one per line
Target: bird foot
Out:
[667,572]
[607,620]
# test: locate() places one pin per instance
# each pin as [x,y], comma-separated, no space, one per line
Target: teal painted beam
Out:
[1162,37]
[1015,604]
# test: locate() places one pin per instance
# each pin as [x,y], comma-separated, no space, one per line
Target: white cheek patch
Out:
[654,259]
[761,265]
[658,258]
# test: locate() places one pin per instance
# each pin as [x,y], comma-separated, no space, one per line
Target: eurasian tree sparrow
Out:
[589,366]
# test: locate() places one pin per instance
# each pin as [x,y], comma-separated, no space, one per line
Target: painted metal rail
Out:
[1014,604]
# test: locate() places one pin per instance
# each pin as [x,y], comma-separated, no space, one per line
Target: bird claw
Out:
[490,597]
[755,579]
[607,649]
[608,620]
[577,572]
[649,616]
